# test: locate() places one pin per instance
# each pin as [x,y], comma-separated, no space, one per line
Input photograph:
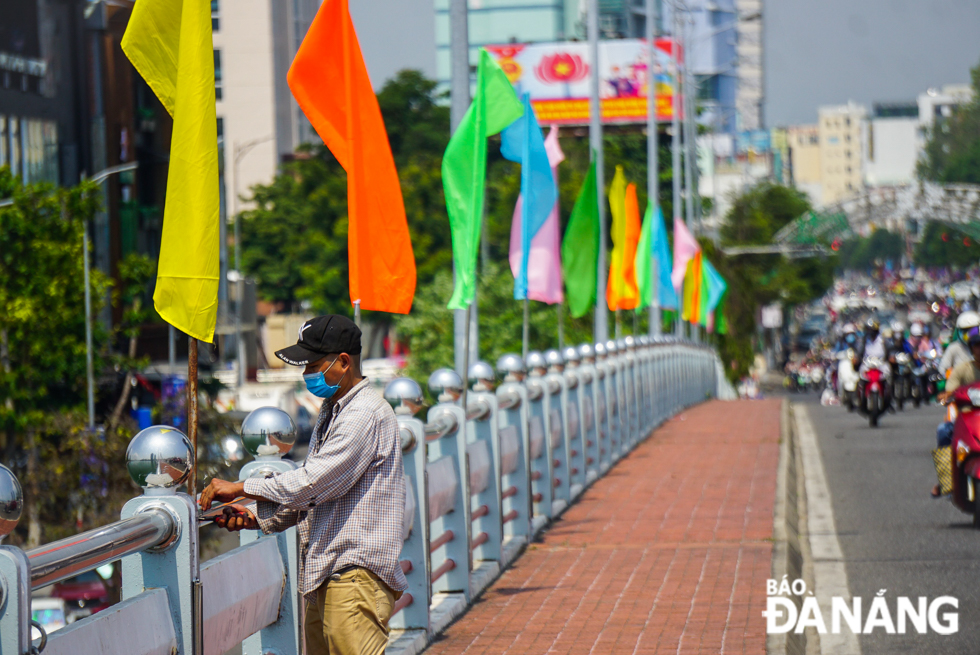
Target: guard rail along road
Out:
[487,469]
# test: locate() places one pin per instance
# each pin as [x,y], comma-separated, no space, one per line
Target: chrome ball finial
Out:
[268,432]
[535,360]
[643,340]
[159,458]
[405,396]
[11,501]
[600,351]
[511,365]
[572,356]
[587,351]
[611,348]
[481,374]
[629,343]
[554,358]
[446,384]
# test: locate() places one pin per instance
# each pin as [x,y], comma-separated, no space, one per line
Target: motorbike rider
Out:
[964,373]
[875,346]
[849,338]
[957,352]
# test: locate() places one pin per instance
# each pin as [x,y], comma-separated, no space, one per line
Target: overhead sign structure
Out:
[556,75]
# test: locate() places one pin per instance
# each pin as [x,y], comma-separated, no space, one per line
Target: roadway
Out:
[893,534]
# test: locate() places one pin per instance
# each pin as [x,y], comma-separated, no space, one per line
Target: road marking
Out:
[829,570]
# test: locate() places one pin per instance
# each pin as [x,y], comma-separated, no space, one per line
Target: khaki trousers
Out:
[350,616]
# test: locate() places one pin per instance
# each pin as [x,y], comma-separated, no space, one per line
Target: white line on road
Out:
[829,571]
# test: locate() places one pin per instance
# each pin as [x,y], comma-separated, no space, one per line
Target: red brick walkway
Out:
[668,553]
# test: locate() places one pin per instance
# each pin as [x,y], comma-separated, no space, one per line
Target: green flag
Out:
[580,248]
[464,170]
[644,261]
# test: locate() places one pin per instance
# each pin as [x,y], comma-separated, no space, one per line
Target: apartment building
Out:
[259,122]
[840,128]
[803,147]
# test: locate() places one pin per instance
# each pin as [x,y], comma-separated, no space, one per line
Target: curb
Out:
[789,515]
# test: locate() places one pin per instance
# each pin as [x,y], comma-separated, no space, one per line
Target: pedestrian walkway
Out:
[668,553]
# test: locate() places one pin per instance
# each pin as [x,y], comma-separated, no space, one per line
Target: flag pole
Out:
[601,328]
[619,324]
[459,102]
[357,312]
[192,411]
[466,358]
[675,143]
[653,155]
[561,328]
[525,336]
[688,129]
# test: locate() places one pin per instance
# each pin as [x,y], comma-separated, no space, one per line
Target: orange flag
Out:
[622,291]
[331,84]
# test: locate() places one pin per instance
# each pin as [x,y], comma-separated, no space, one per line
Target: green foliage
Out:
[757,280]
[429,328]
[864,252]
[42,316]
[295,240]
[952,153]
[942,245]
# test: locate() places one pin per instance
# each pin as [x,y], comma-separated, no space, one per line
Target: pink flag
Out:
[685,247]
[544,265]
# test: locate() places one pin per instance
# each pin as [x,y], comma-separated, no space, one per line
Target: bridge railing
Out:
[481,482]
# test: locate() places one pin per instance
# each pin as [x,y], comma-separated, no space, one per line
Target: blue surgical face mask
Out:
[317,385]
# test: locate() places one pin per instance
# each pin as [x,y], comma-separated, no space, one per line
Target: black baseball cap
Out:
[322,336]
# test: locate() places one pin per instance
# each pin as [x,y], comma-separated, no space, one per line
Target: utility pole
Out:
[466,344]
[653,154]
[675,139]
[601,327]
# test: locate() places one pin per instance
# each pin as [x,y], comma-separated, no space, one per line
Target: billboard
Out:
[557,77]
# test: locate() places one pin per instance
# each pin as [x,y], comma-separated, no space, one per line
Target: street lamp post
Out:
[98,178]
[241,149]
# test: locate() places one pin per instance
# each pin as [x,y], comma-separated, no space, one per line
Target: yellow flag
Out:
[169,43]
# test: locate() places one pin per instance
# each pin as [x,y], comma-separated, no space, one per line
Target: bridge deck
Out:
[669,552]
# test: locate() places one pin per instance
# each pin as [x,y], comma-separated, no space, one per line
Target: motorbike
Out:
[847,382]
[903,379]
[965,451]
[926,378]
[876,376]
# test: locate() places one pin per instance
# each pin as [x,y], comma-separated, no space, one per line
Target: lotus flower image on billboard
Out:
[556,75]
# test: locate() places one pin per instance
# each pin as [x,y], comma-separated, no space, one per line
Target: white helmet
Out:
[849,327]
[967,320]
[916,330]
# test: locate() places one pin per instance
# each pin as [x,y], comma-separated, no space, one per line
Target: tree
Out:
[861,253]
[295,240]
[952,153]
[757,280]
[942,245]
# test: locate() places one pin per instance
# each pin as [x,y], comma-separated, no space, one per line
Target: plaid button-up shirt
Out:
[348,497]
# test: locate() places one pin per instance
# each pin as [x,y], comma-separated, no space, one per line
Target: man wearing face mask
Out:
[347,498]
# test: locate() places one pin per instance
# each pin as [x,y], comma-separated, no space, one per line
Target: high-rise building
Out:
[751,89]
[936,105]
[841,135]
[259,122]
[803,146]
[892,143]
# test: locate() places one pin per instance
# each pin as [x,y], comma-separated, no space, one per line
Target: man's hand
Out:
[236,517]
[221,491]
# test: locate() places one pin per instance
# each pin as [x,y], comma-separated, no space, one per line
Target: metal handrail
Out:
[443,424]
[509,400]
[478,410]
[67,558]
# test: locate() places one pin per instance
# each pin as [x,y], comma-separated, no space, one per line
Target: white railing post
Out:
[411,611]
[515,476]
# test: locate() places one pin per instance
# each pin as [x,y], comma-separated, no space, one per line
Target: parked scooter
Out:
[966,451]
[876,377]
[847,380]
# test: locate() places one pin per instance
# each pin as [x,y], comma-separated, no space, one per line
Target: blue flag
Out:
[716,285]
[523,142]
[665,263]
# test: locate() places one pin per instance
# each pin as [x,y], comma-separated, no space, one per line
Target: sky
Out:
[818,52]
